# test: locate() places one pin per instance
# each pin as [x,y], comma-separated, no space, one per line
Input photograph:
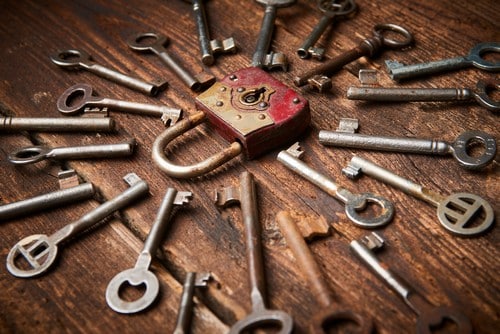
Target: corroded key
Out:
[57,124]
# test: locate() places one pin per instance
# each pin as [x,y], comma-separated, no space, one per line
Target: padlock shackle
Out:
[198,169]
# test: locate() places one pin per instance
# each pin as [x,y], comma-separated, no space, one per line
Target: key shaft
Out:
[55,124]
[409,94]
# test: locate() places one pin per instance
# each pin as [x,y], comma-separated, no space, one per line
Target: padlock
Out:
[249,108]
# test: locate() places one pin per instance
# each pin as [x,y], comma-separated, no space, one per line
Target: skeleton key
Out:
[331,9]
[246,196]
[319,77]
[153,42]
[399,71]
[79,97]
[459,148]
[39,250]
[354,203]
[462,213]
[261,58]
[77,59]
[329,315]
[429,317]
[141,274]
[57,124]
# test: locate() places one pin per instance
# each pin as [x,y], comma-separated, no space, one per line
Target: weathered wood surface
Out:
[70,297]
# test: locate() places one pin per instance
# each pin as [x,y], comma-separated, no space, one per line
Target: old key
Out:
[57,124]
[246,196]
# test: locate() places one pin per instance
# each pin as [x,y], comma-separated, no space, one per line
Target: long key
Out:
[261,58]
[331,10]
[461,213]
[354,203]
[79,97]
[246,196]
[399,71]
[429,316]
[78,59]
[140,274]
[328,315]
[39,250]
[57,124]
[319,77]
[33,154]
[459,148]
[155,43]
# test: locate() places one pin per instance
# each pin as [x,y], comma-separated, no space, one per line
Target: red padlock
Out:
[249,108]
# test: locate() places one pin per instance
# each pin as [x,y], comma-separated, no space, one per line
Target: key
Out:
[354,203]
[193,280]
[329,315]
[78,59]
[260,316]
[153,42]
[32,154]
[319,77]
[39,250]
[429,316]
[261,58]
[459,148]
[140,274]
[79,97]
[331,10]
[463,214]
[398,71]
[55,124]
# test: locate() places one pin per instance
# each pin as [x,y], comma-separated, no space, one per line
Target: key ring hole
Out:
[29,155]
[487,94]
[393,29]
[485,56]
[332,8]
[130,293]
[74,99]
[70,58]
[146,41]
[474,149]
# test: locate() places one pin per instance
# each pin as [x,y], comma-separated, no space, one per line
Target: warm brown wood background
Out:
[71,297]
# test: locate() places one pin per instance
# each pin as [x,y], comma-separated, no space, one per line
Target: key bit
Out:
[321,82]
[349,125]
[373,241]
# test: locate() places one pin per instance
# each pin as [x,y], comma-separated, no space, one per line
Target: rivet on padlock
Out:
[249,108]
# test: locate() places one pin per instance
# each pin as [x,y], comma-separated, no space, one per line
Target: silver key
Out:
[79,97]
[141,274]
[459,148]
[39,251]
[462,213]
[77,59]
[429,316]
[354,203]
[57,124]
[399,71]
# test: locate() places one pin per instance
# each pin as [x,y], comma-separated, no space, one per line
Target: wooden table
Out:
[70,297]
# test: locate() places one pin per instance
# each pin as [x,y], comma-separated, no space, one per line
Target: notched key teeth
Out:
[224,46]
[275,60]
[202,279]
[183,197]
[171,117]
[295,150]
[373,241]
[316,53]
[321,82]
[227,196]
[68,179]
[351,171]
[132,178]
[204,80]
[368,77]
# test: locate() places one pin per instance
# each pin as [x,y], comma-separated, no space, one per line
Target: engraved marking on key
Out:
[39,251]
[78,59]
[141,274]
[354,203]
[57,124]
[429,316]
[246,196]
[462,213]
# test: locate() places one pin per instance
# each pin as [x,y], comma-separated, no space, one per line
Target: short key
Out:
[459,148]
[141,274]
[77,59]
[57,124]
[461,213]
[399,71]
[246,196]
[354,203]
[79,97]
[430,317]
[40,250]
[331,10]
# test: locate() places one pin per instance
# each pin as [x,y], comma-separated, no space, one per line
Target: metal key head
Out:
[72,59]
[37,252]
[484,88]
[466,142]
[74,99]
[264,319]
[476,54]
[434,318]
[147,41]
[355,204]
[331,318]
[333,8]
[28,155]
[276,3]
[380,29]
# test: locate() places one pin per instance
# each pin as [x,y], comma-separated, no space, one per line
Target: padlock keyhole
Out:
[254,96]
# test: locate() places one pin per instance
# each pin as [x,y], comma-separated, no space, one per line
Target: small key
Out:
[331,10]
[329,315]
[77,59]
[319,77]
[459,148]
[193,280]
[57,124]
[32,154]
[155,43]
[79,97]
[141,274]
[246,196]
[399,71]
[261,58]
[462,213]
[39,250]
[429,316]
[354,203]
